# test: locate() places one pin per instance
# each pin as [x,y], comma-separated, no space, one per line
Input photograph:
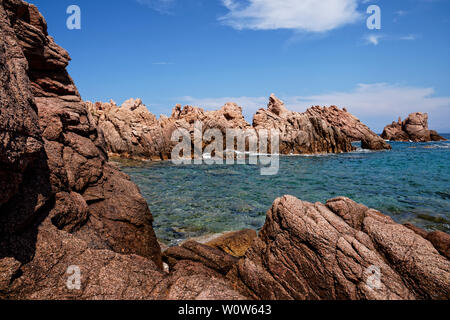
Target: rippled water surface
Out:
[410,183]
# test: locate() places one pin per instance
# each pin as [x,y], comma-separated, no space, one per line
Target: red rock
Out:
[60,186]
[352,127]
[414,128]
[234,243]
[132,131]
[301,133]
[316,251]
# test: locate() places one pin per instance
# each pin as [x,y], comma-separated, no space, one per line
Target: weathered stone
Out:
[414,128]
[51,156]
[301,133]
[234,243]
[193,251]
[352,127]
[316,251]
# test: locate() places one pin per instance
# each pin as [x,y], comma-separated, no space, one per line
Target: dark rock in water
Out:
[352,127]
[414,128]
[341,250]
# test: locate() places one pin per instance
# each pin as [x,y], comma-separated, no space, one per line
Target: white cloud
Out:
[373,39]
[409,37]
[302,15]
[162,6]
[375,104]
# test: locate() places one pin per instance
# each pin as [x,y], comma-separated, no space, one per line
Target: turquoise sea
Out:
[411,183]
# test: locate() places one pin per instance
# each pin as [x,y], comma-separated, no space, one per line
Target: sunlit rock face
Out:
[414,128]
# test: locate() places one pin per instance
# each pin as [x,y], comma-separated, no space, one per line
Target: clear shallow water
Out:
[410,183]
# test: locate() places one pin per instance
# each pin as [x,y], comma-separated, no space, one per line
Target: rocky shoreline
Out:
[63,205]
[132,131]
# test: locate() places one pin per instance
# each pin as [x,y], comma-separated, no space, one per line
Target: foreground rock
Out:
[334,251]
[234,243]
[63,207]
[353,128]
[414,128]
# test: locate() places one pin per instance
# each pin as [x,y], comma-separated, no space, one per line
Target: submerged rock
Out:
[414,128]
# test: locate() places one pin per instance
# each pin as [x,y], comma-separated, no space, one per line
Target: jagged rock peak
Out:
[277,106]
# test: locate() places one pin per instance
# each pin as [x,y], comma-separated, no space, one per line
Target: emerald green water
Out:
[411,183]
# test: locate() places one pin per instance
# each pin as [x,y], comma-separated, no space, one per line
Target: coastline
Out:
[76,225]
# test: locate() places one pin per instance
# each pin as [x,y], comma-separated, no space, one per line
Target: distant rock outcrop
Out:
[353,128]
[131,130]
[301,133]
[135,132]
[414,128]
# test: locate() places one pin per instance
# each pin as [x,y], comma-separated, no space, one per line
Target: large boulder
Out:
[413,128]
[234,243]
[339,250]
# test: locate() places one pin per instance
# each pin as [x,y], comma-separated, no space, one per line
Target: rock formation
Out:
[62,204]
[234,243]
[65,211]
[131,130]
[301,133]
[135,132]
[341,250]
[414,128]
[352,127]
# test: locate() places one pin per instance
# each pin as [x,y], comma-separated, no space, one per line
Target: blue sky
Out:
[307,52]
